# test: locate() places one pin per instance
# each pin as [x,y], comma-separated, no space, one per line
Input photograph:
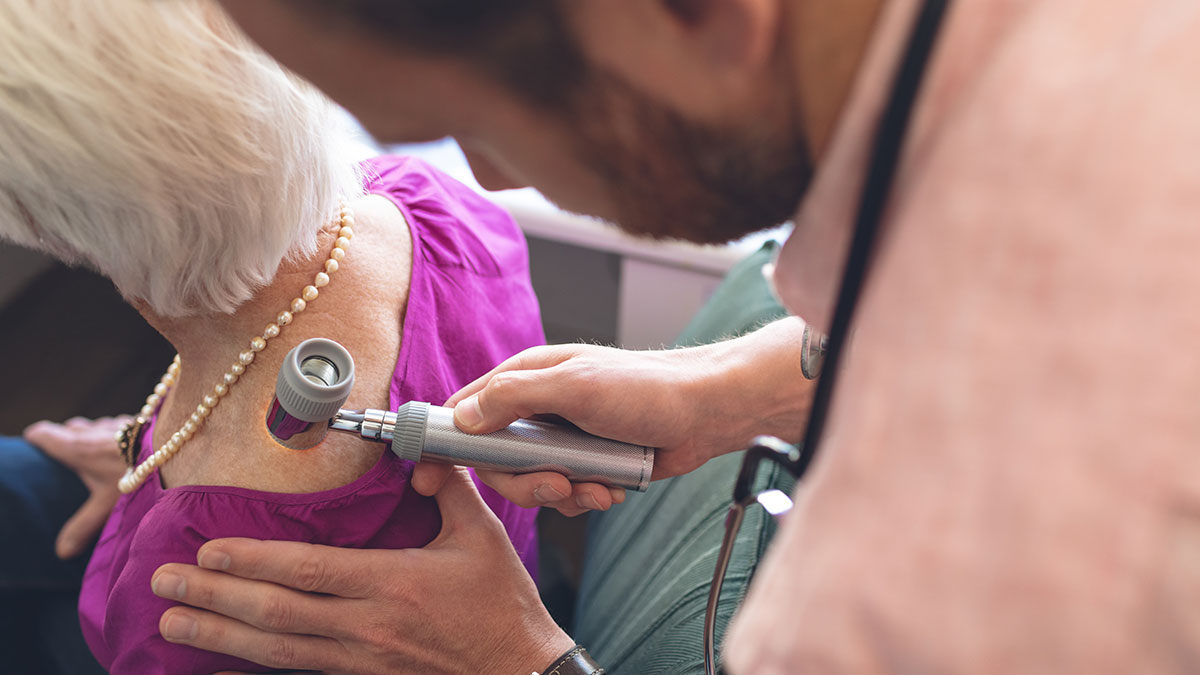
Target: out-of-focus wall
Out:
[18,267]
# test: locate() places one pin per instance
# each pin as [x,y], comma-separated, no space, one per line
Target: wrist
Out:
[532,653]
[759,386]
[575,661]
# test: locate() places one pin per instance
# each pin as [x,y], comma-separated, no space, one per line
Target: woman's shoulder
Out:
[452,224]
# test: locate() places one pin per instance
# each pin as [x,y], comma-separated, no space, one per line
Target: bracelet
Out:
[813,346]
[575,662]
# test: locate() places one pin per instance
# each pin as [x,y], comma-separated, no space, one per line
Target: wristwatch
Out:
[575,662]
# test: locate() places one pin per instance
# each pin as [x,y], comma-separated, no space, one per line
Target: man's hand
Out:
[88,448]
[694,404]
[464,603]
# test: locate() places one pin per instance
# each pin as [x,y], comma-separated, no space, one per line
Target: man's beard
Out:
[670,177]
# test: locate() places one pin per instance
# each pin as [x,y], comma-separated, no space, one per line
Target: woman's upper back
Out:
[469,306]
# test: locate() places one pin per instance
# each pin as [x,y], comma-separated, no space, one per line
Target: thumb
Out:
[514,395]
[82,527]
[462,506]
[429,477]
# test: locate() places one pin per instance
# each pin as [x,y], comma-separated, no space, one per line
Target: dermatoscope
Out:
[316,379]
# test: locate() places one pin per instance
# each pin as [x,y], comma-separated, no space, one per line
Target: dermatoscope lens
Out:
[319,370]
[313,384]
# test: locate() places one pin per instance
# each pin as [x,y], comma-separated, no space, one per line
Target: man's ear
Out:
[693,53]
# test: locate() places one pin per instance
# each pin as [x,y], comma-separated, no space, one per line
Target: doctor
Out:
[1008,480]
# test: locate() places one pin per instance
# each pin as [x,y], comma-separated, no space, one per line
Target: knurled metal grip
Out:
[424,431]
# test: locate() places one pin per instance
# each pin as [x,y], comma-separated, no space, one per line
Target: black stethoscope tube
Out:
[880,179]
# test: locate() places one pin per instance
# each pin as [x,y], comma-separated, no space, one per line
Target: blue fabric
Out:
[39,622]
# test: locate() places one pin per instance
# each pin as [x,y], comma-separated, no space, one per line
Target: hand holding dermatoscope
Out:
[316,378]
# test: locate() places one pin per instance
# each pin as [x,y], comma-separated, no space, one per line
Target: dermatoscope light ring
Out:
[315,380]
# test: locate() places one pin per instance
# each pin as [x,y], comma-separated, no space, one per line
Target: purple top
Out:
[470,306]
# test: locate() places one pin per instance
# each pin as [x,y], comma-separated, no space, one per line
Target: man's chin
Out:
[692,229]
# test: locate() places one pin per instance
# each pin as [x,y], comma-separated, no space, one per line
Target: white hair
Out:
[152,141]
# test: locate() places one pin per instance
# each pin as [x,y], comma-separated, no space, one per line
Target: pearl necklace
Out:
[128,436]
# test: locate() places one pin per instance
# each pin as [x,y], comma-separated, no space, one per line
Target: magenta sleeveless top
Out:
[470,306]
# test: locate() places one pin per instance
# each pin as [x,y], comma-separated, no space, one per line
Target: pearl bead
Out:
[136,476]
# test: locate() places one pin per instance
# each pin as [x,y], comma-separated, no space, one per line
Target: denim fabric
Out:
[39,622]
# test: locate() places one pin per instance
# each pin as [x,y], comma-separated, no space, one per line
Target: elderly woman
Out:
[150,141]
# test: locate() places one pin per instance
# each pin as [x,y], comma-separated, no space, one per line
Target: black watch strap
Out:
[575,662]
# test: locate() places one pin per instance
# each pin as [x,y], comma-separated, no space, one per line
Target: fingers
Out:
[306,567]
[213,632]
[462,506]
[265,606]
[513,395]
[533,358]
[428,477]
[530,489]
[548,489]
[46,435]
[84,525]
[77,437]
[552,490]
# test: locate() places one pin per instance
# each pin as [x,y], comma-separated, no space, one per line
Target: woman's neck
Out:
[232,447]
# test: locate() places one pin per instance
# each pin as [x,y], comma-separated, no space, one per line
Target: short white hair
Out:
[152,141]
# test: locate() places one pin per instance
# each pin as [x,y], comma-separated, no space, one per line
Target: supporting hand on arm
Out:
[464,603]
[694,404]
